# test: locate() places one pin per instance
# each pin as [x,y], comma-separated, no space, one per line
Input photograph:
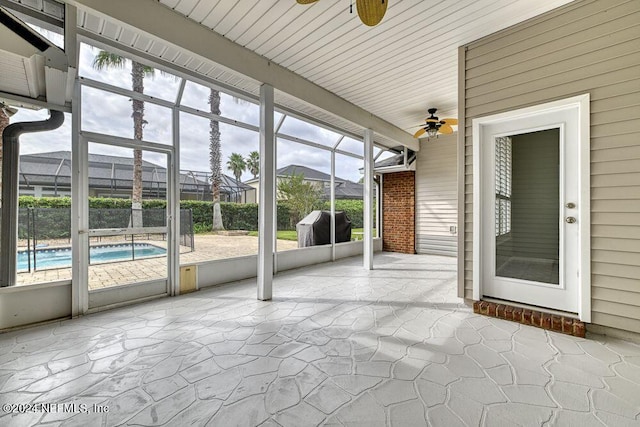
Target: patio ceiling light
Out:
[370,12]
[433,125]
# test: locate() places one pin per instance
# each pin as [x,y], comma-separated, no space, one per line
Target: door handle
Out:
[570,220]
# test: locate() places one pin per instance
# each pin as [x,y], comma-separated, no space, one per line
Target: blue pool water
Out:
[61,257]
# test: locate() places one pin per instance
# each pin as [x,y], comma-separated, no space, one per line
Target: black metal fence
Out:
[44,230]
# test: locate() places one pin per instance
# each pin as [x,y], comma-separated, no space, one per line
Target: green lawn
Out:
[282,235]
[292,235]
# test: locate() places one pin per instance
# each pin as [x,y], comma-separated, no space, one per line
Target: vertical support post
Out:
[380,225]
[266,239]
[275,192]
[333,204]
[9,226]
[377,208]
[173,207]
[79,212]
[79,177]
[275,200]
[368,200]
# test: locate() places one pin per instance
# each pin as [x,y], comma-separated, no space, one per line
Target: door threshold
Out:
[552,320]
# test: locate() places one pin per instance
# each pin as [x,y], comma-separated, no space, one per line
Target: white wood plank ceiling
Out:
[395,70]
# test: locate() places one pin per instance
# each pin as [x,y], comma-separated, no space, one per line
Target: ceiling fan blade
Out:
[371,12]
[419,133]
[452,122]
[306,1]
[445,129]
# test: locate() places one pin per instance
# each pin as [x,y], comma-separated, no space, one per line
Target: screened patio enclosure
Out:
[49,174]
[176,133]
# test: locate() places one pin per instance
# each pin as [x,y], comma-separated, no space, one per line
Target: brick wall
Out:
[398,216]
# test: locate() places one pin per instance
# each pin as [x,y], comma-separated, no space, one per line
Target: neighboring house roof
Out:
[348,190]
[307,172]
[345,189]
[54,168]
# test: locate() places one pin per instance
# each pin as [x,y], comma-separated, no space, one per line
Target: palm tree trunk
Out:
[4,122]
[137,80]
[215,156]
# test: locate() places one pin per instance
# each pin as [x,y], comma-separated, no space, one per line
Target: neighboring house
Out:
[49,174]
[345,189]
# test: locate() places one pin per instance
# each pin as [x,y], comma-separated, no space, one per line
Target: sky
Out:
[110,114]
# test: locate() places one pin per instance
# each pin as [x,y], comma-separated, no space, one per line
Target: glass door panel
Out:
[127,234]
[527,207]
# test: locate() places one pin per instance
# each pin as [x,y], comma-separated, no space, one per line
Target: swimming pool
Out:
[61,257]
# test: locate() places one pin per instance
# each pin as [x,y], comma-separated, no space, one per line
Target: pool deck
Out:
[207,247]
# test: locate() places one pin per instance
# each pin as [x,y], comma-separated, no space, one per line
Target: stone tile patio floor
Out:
[338,345]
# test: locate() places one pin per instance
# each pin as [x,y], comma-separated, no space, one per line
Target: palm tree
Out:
[237,165]
[138,72]
[215,157]
[215,160]
[253,163]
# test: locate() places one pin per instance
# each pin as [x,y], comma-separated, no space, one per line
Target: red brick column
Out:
[398,212]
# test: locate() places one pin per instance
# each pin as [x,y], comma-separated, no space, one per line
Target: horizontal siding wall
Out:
[588,46]
[437,196]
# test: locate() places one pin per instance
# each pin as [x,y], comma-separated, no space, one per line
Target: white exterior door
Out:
[532,206]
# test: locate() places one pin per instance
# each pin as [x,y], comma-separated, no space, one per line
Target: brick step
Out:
[540,319]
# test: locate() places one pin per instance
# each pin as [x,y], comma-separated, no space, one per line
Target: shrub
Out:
[239,216]
[201,228]
[352,207]
[235,216]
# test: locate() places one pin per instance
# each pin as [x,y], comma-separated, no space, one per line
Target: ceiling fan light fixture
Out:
[432,131]
[432,125]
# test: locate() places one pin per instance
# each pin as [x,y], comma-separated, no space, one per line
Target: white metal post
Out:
[173,199]
[173,208]
[368,200]
[380,218]
[266,239]
[79,174]
[275,192]
[333,205]
[79,213]
[275,203]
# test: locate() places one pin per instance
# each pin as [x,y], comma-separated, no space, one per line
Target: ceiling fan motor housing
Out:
[433,122]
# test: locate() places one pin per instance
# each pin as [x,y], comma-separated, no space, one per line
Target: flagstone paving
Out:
[338,345]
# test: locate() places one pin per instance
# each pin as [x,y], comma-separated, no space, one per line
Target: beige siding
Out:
[436,196]
[588,46]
